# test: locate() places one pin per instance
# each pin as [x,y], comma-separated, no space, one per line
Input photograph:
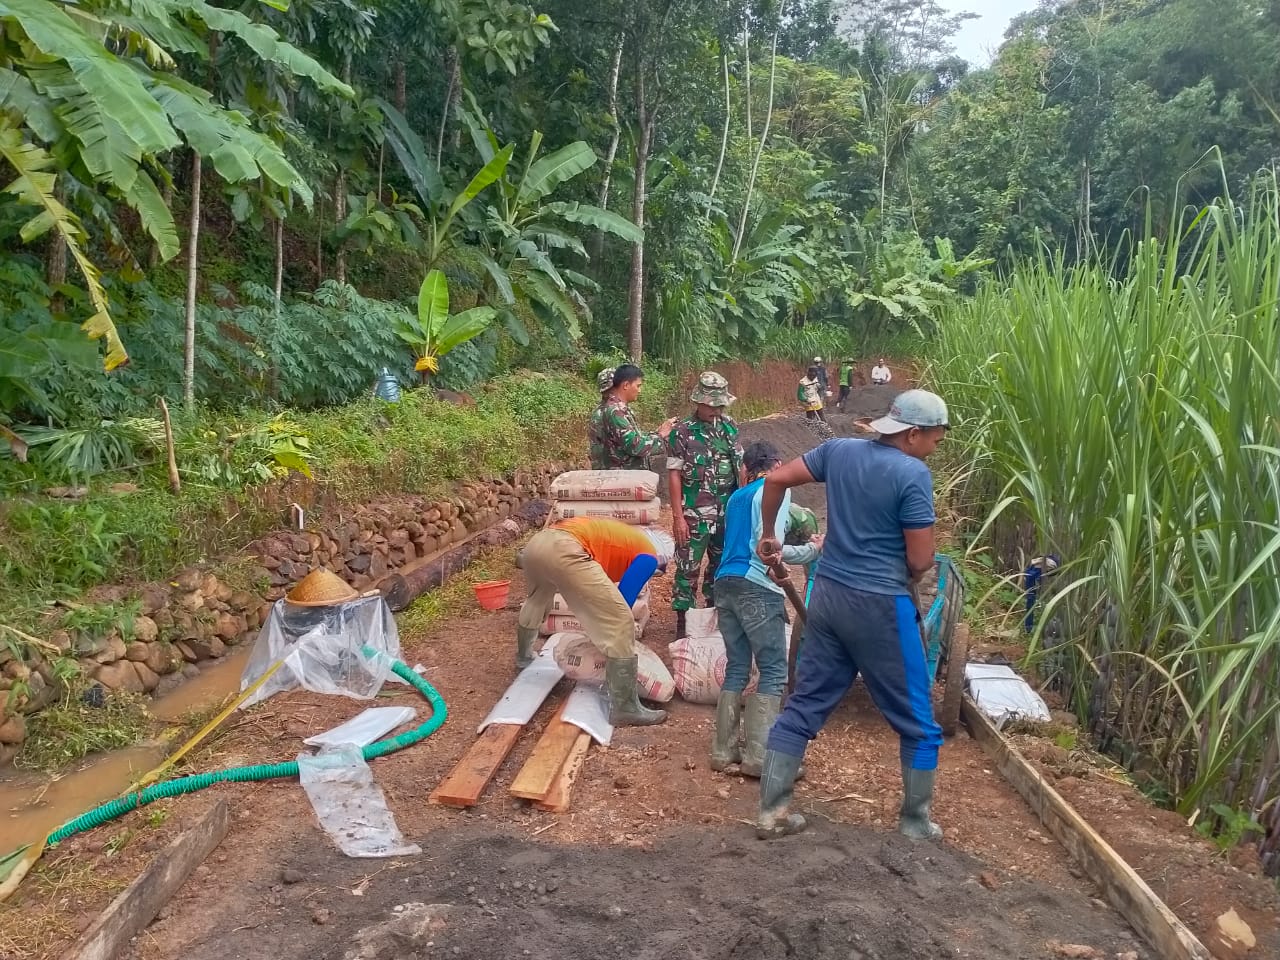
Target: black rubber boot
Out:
[777,784]
[679,624]
[724,749]
[917,798]
[625,709]
[525,636]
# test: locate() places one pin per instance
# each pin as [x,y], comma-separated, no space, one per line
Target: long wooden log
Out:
[408,583]
[1127,891]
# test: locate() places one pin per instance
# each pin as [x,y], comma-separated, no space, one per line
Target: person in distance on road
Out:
[880,373]
[846,384]
[809,393]
[861,617]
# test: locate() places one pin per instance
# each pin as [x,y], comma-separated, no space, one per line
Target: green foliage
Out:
[59,546]
[78,453]
[235,454]
[1228,827]
[72,729]
[1122,417]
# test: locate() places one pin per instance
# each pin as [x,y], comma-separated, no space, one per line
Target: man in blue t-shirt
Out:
[752,619]
[861,618]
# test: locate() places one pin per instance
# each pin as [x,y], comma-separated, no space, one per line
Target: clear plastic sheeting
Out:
[321,649]
[362,729]
[351,806]
[1003,695]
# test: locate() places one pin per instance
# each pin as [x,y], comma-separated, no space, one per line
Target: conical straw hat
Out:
[320,588]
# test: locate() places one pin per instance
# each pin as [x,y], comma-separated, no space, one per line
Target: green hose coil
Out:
[190,784]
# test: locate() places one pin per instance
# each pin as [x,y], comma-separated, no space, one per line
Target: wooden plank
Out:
[536,777]
[1128,892]
[557,799]
[467,780]
[130,912]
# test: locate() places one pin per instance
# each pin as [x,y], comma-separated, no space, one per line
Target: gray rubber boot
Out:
[724,749]
[625,709]
[525,636]
[777,783]
[917,798]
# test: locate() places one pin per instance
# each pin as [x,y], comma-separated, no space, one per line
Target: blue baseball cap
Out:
[914,408]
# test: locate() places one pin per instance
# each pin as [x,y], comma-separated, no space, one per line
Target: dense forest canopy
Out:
[245,199]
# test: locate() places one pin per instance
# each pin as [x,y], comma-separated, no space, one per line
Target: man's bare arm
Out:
[793,474]
[921,546]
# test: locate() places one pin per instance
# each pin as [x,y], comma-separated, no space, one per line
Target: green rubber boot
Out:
[777,784]
[525,636]
[724,749]
[761,711]
[625,709]
[917,798]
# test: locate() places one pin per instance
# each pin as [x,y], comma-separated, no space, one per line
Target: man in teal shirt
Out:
[749,607]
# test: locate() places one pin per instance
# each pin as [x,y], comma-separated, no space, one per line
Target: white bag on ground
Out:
[638,513]
[582,660]
[567,623]
[350,805]
[702,622]
[698,665]
[605,485]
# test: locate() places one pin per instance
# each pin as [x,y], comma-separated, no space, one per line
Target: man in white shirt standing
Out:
[880,374]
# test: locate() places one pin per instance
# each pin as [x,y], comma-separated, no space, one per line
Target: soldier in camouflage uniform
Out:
[616,440]
[704,466]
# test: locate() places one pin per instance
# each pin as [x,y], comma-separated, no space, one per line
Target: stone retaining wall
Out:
[196,617]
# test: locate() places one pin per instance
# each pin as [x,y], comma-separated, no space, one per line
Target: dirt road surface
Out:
[655,858]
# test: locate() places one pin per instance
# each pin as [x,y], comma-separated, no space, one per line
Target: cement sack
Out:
[582,660]
[605,485]
[567,623]
[701,622]
[698,664]
[638,513]
[559,605]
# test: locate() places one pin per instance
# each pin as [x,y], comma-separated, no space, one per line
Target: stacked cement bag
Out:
[627,495]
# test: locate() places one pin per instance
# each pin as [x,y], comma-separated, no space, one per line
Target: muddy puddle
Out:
[34,804]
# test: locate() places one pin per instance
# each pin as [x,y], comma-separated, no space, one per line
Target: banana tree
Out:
[433,332]
[439,206]
[524,232]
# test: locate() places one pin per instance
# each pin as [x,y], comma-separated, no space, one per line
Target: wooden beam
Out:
[538,775]
[130,912]
[1128,892]
[557,799]
[467,780]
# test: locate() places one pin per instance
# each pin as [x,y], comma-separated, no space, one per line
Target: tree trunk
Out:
[340,214]
[452,64]
[746,57]
[724,136]
[635,294]
[279,278]
[56,264]
[764,137]
[612,152]
[193,274]
[399,95]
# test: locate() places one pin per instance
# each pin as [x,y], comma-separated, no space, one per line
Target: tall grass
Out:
[1123,415]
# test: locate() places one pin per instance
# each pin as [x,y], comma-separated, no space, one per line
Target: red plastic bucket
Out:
[492,594]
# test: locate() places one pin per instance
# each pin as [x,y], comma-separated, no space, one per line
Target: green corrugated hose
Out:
[180,785]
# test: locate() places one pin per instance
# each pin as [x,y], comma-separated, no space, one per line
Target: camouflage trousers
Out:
[706,542]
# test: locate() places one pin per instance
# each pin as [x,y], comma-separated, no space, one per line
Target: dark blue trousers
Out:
[850,632]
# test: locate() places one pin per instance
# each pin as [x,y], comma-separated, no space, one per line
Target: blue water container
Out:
[387,387]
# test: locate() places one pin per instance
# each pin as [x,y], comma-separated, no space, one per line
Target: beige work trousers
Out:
[555,562]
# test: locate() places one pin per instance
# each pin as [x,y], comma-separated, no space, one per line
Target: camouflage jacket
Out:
[617,442]
[709,458]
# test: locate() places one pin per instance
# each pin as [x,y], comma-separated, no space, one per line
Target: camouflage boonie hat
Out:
[604,379]
[713,390]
